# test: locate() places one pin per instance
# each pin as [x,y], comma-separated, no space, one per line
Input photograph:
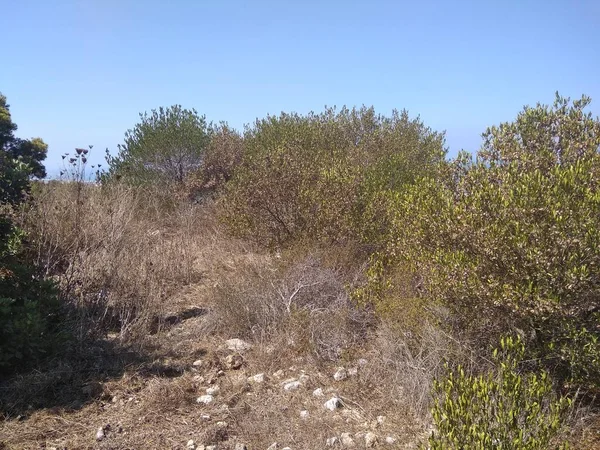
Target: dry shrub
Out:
[305,302]
[115,258]
[404,364]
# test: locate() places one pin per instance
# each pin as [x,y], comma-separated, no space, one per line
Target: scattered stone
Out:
[390,440]
[291,385]
[237,345]
[233,362]
[222,424]
[214,390]
[258,378]
[205,416]
[286,448]
[240,446]
[198,379]
[333,403]
[206,399]
[381,420]
[362,362]
[273,446]
[318,392]
[191,445]
[198,363]
[210,447]
[100,434]
[347,441]
[370,439]
[352,371]
[279,374]
[304,414]
[331,441]
[340,374]
[303,378]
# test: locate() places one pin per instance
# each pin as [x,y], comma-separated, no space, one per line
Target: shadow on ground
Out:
[73,378]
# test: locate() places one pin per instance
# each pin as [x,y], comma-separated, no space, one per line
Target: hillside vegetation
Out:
[436,303]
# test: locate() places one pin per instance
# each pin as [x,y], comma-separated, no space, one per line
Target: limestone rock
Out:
[333,403]
[205,399]
[347,441]
[340,374]
[237,345]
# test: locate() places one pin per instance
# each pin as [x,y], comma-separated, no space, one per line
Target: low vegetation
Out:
[456,297]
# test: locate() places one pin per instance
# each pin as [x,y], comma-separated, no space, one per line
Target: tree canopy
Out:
[166,145]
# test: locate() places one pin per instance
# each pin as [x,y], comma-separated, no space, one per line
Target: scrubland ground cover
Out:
[216,288]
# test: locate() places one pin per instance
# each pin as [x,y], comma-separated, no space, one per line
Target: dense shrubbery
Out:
[506,242]
[509,242]
[319,175]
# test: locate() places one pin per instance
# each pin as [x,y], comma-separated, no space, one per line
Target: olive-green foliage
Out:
[505,409]
[28,305]
[511,239]
[165,147]
[319,174]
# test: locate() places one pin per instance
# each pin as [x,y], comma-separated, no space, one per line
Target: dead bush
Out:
[115,260]
[306,302]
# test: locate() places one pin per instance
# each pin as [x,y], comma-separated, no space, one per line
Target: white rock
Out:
[352,371]
[258,378]
[279,374]
[211,447]
[240,446]
[273,446]
[340,374]
[381,420]
[292,385]
[362,362]
[304,414]
[390,440]
[100,434]
[370,439]
[333,403]
[237,345]
[347,441]
[303,378]
[214,390]
[206,399]
[331,441]
[191,445]
[222,424]
[318,392]
[233,362]
[198,363]
[286,448]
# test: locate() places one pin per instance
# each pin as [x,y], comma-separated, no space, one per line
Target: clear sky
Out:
[79,72]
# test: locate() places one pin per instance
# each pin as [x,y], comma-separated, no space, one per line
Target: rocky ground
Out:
[197,391]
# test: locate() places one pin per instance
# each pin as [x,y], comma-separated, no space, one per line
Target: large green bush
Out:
[319,174]
[510,240]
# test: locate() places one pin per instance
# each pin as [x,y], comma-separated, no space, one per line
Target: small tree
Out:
[167,145]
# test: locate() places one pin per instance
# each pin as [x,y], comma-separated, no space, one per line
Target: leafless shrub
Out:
[306,302]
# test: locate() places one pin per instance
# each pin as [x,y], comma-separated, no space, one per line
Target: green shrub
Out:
[318,175]
[28,305]
[502,410]
[510,241]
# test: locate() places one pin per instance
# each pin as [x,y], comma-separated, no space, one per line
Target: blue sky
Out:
[79,72]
